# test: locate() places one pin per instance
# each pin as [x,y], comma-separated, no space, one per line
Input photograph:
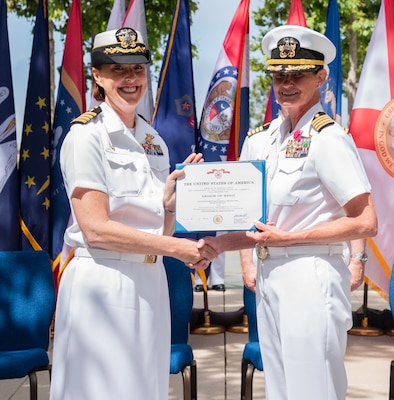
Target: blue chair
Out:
[181,302]
[27,304]
[251,358]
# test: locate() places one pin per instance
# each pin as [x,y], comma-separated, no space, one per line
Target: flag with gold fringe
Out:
[70,103]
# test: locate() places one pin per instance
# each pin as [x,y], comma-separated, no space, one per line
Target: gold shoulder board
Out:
[261,128]
[321,120]
[87,116]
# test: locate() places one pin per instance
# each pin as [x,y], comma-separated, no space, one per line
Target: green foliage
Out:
[357,21]
[95,15]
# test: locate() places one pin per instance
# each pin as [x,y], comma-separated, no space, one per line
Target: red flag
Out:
[372,126]
[296,17]
[71,102]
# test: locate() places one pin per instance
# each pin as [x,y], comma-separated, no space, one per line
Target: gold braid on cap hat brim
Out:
[276,65]
[295,61]
[117,50]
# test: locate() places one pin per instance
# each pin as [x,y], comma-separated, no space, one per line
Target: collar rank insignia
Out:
[150,148]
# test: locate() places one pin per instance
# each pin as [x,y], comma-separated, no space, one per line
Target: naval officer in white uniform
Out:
[318,198]
[112,329]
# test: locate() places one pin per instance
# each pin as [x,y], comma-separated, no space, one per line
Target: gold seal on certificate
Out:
[220,196]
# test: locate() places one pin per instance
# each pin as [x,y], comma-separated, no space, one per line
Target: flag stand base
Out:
[241,328]
[365,330]
[207,328]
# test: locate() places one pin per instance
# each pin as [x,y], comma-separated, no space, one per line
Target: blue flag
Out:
[9,201]
[174,116]
[331,91]
[35,161]
[70,103]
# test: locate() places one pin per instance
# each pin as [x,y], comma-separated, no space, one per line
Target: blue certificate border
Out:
[260,165]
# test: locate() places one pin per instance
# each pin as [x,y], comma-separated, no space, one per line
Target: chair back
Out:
[181,298]
[250,310]
[27,299]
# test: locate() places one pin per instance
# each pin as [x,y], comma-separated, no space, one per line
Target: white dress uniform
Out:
[112,332]
[303,292]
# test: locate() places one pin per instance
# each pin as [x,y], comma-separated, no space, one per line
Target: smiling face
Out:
[298,91]
[123,84]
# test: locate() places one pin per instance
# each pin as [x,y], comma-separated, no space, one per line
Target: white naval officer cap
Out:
[294,48]
[120,46]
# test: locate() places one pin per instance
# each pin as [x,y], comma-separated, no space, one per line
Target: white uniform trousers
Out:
[112,332]
[304,313]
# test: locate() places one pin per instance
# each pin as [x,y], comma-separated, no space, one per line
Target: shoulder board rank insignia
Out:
[321,120]
[87,116]
[261,128]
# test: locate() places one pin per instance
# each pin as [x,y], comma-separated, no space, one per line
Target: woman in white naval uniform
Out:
[318,197]
[112,329]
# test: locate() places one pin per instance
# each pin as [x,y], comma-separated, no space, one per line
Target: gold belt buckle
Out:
[150,259]
[262,252]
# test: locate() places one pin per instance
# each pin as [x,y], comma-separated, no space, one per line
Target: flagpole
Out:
[365,329]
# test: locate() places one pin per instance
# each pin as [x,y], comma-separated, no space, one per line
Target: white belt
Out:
[114,255]
[300,250]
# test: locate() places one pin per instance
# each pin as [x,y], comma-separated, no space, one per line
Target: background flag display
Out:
[70,103]
[174,116]
[372,126]
[135,18]
[35,161]
[115,21]
[9,191]
[220,123]
[331,91]
[117,15]
[296,17]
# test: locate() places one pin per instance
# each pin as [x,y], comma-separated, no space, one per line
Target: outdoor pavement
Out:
[219,355]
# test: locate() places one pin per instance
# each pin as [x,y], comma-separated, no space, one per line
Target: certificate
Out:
[220,196]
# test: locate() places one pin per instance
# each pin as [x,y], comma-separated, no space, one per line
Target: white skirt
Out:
[112,332]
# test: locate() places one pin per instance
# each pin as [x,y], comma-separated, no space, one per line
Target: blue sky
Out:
[210,25]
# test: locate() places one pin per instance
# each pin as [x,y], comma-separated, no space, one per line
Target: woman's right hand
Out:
[195,256]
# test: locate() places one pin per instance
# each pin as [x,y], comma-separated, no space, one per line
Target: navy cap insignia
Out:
[287,47]
[127,37]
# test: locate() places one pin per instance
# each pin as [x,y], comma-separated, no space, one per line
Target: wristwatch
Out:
[360,256]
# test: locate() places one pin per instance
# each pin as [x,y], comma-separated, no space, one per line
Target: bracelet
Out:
[360,256]
[169,211]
